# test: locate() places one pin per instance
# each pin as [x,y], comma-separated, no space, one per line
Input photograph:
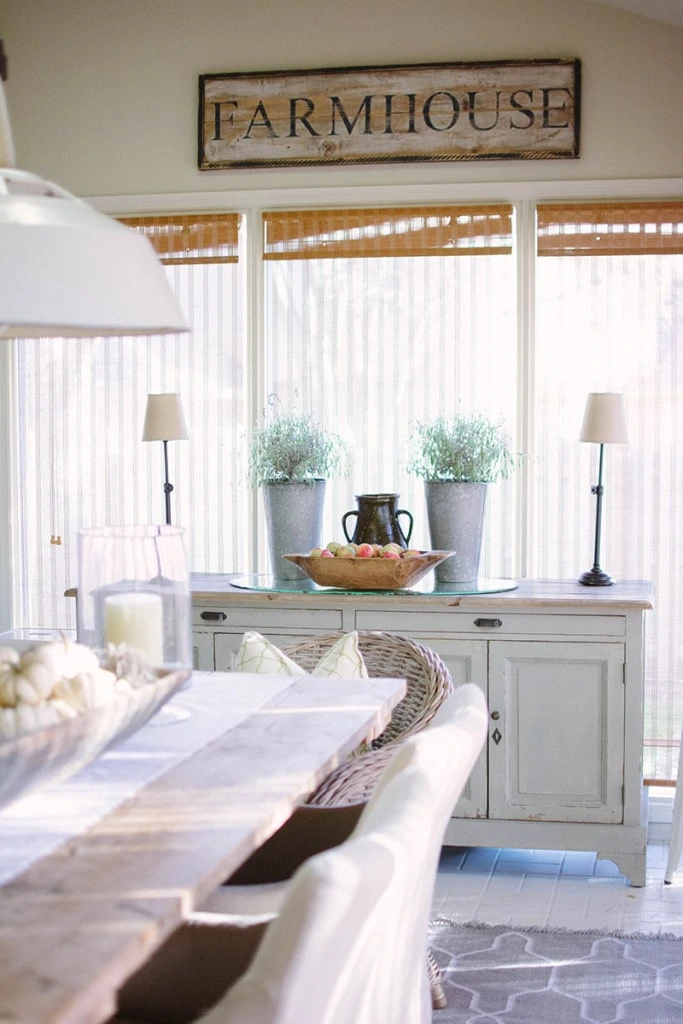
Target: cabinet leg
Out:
[677,828]
[630,864]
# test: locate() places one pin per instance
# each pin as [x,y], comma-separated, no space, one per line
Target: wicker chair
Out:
[390,656]
[331,812]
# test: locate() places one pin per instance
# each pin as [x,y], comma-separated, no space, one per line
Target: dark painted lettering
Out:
[427,111]
[217,116]
[472,108]
[526,111]
[390,113]
[548,109]
[294,117]
[338,108]
[264,122]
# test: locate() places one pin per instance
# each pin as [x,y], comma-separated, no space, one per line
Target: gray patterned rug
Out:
[507,975]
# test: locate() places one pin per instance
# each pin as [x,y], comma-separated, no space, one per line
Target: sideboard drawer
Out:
[262,619]
[491,623]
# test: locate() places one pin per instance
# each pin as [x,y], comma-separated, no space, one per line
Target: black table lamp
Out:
[604,422]
[165,421]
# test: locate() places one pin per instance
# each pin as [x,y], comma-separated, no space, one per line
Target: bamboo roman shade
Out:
[191,238]
[391,231]
[595,229]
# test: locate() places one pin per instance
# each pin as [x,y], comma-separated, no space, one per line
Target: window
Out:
[80,410]
[609,317]
[375,319]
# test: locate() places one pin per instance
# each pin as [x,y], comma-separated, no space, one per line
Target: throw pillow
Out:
[343,660]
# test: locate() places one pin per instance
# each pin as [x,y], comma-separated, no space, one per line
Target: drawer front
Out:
[263,619]
[493,623]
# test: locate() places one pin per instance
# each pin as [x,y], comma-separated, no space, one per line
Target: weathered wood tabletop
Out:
[77,922]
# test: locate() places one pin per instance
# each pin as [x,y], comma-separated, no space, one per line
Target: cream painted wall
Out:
[103,93]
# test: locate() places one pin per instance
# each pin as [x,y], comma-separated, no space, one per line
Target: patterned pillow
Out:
[343,660]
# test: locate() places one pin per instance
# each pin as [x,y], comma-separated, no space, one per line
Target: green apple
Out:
[346,552]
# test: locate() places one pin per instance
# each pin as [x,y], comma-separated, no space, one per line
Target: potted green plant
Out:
[290,457]
[458,457]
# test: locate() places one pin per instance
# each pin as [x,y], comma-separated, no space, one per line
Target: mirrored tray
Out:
[50,755]
[272,584]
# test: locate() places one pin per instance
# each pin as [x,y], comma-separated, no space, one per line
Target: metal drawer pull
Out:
[213,616]
[495,715]
[489,623]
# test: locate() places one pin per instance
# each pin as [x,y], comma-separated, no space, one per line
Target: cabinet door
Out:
[226,645]
[466,660]
[556,735]
[202,651]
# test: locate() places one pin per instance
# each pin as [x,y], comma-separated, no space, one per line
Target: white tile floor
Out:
[557,889]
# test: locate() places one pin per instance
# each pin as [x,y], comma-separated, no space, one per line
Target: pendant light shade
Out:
[68,271]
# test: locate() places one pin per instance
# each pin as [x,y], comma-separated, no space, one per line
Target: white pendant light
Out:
[67,270]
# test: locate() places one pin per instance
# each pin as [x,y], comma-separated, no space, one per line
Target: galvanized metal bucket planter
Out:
[294,517]
[455,512]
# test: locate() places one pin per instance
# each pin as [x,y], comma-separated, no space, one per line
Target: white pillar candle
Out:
[136,619]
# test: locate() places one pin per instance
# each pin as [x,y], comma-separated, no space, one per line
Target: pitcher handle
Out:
[353,512]
[405,512]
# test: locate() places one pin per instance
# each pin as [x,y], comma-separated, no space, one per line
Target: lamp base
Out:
[595,577]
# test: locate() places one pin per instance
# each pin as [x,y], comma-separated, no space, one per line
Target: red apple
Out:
[365,551]
[325,553]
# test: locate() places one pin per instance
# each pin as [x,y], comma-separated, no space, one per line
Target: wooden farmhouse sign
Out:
[521,110]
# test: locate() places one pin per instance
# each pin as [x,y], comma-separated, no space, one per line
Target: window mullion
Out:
[525,241]
[256,357]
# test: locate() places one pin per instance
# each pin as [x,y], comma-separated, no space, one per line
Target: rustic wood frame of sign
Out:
[497,110]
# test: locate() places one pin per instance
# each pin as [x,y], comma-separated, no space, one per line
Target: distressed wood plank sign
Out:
[522,110]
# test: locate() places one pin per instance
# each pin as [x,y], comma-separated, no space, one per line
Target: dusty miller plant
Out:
[468,448]
[291,448]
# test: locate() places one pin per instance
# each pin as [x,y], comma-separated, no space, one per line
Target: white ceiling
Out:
[670,11]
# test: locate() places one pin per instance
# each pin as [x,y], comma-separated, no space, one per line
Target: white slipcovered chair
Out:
[350,941]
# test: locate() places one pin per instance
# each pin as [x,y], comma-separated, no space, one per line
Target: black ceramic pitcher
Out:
[377,521]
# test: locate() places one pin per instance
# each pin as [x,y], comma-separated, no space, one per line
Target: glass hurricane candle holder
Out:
[134,588]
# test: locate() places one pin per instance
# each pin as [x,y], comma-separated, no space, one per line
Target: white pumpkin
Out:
[87,689]
[8,656]
[63,658]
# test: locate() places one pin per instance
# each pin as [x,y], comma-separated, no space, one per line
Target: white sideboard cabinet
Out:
[562,669]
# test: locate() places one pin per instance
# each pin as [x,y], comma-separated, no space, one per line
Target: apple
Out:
[377,549]
[315,552]
[365,551]
[396,548]
[334,546]
[410,552]
[325,553]
[346,552]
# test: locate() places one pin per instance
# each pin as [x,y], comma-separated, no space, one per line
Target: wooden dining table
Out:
[97,871]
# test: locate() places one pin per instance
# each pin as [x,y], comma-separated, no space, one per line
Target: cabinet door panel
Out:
[202,651]
[556,749]
[228,644]
[466,660]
